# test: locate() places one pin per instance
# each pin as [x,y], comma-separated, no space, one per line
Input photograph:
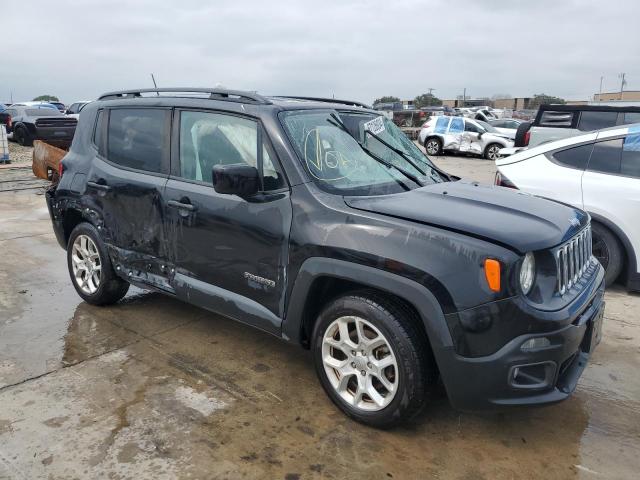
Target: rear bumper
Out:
[60,137]
[56,221]
[516,376]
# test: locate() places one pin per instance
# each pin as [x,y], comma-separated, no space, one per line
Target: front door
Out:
[229,252]
[126,182]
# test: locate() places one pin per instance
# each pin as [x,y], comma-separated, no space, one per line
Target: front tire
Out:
[373,360]
[492,151]
[23,137]
[608,250]
[90,267]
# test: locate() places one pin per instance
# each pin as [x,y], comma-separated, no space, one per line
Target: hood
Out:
[506,136]
[501,215]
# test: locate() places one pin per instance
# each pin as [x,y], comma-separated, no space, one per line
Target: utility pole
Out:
[622,83]
[600,95]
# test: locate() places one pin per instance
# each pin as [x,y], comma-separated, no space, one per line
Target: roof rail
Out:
[214,94]
[327,100]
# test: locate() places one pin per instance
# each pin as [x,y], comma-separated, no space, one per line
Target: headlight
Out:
[527,273]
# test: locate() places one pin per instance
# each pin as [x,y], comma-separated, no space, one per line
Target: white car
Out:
[459,134]
[507,126]
[74,109]
[598,172]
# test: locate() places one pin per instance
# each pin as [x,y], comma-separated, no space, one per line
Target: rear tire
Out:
[433,146]
[350,367]
[90,267]
[608,250]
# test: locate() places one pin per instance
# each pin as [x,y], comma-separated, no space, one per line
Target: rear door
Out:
[126,183]
[611,183]
[229,252]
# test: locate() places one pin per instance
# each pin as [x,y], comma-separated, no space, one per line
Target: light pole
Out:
[600,94]
[622,83]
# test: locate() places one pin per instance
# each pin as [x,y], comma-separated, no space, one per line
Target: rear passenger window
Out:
[209,139]
[576,157]
[631,117]
[606,157]
[590,121]
[630,163]
[137,138]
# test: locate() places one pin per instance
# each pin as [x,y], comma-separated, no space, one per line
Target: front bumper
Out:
[513,376]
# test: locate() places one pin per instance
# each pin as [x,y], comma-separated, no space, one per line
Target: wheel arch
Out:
[630,264]
[321,279]
[433,135]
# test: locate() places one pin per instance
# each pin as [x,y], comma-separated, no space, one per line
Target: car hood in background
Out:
[501,215]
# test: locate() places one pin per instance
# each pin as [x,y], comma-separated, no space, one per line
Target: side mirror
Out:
[480,134]
[236,179]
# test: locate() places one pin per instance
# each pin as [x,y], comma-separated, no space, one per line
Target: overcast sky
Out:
[358,50]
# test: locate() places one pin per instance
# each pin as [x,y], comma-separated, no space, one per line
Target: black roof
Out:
[557,107]
[226,95]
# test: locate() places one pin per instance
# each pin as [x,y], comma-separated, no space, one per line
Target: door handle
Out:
[99,186]
[181,206]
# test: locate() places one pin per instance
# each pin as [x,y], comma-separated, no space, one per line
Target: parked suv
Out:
[554,122]
[465,135]
[598,172]
[319,222]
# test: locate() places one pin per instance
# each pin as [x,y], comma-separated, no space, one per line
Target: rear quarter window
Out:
[576,157]
[558,119]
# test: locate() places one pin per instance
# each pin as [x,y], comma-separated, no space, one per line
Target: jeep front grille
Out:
[572,260]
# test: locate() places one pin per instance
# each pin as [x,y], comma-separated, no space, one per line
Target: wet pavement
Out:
[152,388]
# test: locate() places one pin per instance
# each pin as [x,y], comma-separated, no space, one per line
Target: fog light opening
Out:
[535,344]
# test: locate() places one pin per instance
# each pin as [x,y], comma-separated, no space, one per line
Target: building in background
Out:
[624,96]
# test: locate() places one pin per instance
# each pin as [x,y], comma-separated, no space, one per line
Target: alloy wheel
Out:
[492,153]
[432,147]
[360,363]
[86,264]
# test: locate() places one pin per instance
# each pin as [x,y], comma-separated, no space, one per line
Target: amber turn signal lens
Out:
[492,274]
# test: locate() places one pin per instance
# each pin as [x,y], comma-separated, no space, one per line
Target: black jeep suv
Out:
[319,222]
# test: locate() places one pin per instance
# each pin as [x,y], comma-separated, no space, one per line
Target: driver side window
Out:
[470,127]
[210,139]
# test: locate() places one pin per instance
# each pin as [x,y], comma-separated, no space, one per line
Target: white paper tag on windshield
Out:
[375,126]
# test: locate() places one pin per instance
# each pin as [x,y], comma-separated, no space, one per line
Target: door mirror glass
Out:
[236,179]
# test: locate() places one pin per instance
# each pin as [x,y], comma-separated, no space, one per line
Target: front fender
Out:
[417,295]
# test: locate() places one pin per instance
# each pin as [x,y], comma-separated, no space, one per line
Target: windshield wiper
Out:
[339,124]
[399,151]
[408,157]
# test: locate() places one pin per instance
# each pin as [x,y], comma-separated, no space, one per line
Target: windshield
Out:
[487,126]
[327,142]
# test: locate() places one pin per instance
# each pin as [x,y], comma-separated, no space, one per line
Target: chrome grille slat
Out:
[572,260]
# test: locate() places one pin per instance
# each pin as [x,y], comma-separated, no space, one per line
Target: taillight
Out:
[502,181]
[9,122]
[527,136]
[60,169]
